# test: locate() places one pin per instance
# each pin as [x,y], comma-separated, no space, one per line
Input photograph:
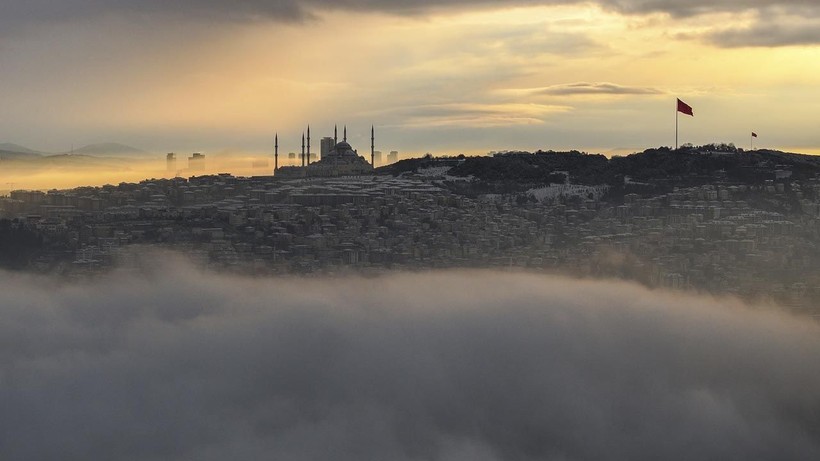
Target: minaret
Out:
[372,146]
[303,148]
[276,153]
[345,139]
[335,135]
[308,146]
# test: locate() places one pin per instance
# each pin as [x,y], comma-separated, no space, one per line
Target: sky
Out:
[446,77]
[165,362]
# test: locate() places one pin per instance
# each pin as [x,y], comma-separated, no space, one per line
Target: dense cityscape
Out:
[756,239]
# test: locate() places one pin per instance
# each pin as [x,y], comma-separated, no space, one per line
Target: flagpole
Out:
[676,126]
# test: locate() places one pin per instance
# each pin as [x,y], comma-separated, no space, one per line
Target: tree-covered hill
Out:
[660,166]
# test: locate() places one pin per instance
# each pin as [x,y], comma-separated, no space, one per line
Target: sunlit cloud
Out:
[583,89]
[479,115]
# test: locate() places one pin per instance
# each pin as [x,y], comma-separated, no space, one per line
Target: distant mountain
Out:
[10,147]
[79,160]
[12,155]
[109,149]
[621,151]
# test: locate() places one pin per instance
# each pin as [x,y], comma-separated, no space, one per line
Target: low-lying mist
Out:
[66,171]
[178,364]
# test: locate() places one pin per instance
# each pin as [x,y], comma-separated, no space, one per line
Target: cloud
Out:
[776,32]
[699,7]
[754,23]
[763,36]
[162,15]
[476,115]
[173,363]
[249,10]
[584,88]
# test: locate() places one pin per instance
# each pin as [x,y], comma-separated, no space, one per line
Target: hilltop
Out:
[109,149]
[92,155]
[11,151]
[658,168]
[16,148]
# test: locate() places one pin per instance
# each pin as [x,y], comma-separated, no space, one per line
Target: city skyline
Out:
[441,77]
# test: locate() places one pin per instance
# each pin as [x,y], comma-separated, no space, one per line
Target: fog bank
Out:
[177,364]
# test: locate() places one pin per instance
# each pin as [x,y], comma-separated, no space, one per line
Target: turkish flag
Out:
[754,135]
[685,108]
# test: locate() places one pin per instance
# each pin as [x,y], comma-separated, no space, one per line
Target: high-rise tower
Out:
[196,161]
[326,145]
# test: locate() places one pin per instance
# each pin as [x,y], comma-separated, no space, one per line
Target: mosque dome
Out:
[343,149]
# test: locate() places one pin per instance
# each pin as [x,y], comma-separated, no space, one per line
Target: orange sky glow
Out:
[446,78]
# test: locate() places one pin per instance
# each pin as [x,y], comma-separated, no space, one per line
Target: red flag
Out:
[685,108]
[754,135]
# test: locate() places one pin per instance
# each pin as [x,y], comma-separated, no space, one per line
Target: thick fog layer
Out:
[183,365]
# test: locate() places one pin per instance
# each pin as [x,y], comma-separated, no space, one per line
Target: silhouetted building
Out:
[378,157]
[326,146]
[171,162]
[340,160]
[196,162]
[393,156]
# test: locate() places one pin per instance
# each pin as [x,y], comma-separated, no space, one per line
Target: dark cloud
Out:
[698,7]
[23,13]
[35,10]
[175,364]
[48,10]
[585,88]
[768,34]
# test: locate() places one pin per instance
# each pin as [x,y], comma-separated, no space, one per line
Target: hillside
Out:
[16,148]
[660,168]
[21,154]
[11,155]
[109,149]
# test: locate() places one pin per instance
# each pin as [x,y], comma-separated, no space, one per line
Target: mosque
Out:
[340,160]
